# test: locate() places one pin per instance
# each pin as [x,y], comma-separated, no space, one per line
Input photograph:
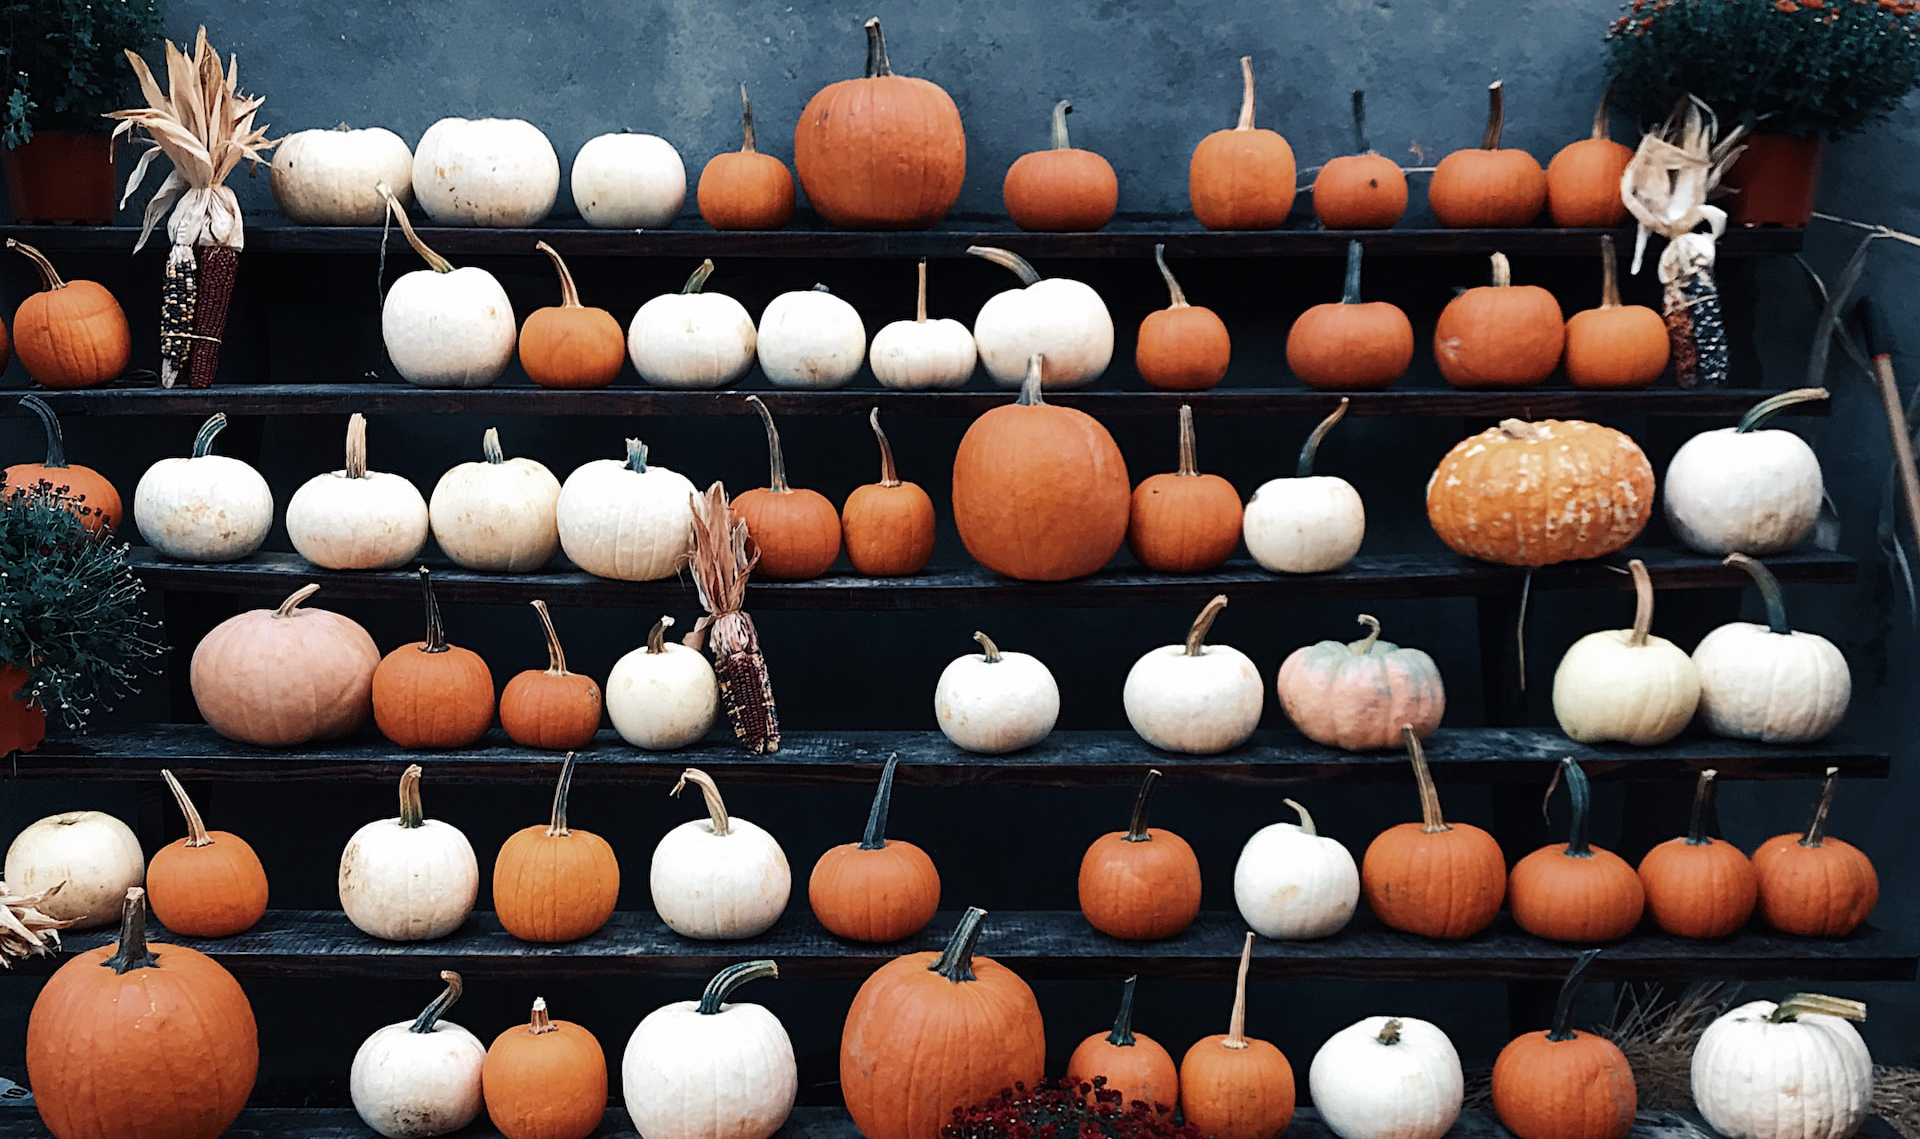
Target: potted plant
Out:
[63,73]
[1796,73]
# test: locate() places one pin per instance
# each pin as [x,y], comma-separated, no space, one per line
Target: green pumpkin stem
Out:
[1816,832]
[1581,794]
[490,450]
[1562,1029]
[1304,469]
[889,474]
[1306,820]
[1350,287]
[1767,408]
[955,962]
[875,836]
[1122,1034]
[430,1016]
[412,814]
[132,952]
[1496,116]
[1697,817]
[1176,296]
[1060,112]
[698,280]
[776,461]
[1431,820]
[1801,1004]
[877,65]
[1770,591]
[990,652]
[557,824]
[1137,827]
[1197,634]
[747,140]
[1360,145]
[56,440]
[636,456]
[714,998]
[436,641]
[203,438]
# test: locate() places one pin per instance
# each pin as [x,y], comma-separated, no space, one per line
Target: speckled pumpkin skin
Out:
[1535,494]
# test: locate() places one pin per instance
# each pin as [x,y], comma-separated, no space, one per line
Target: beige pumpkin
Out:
[810,340]
[1626,685]
[1793,1070]
[489,172]
[1359,696]
[628,181]
[993,702]
[1293,883]
[1195,698]
[692,339]
[206,507]
[628,520]
[1309,523]
[1745,489]
[445,327]
[285,676]
[85,861]
[719,878]
[1063,321]
[328,177]
[408,878]
[922,354]
[496,515]
[1770,682]
[354,518]
[663,695]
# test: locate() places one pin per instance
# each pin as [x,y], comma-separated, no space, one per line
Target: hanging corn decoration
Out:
[721,567]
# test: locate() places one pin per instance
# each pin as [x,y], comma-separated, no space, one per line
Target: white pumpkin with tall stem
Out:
[719,878]
[663,695]
[1309,523]
[628,180]
[84,862]
[1625,685]
[1793,1070]
[711,1069]
[206,507]
[1193,697]
[922,354]
[1770,682]
[354,518]
[421,1077]
[810,339]
[1388,1077]
[409,878]
[1063,320]
[446,327]
[328,177]
[692,339]
[1746,490]
[993,702]
[1292,883]
[486,172]
[496,515]
[629,520]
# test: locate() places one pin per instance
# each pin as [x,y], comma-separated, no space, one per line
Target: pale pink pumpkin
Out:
[1357,696]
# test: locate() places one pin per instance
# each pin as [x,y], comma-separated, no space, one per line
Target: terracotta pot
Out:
[1778,177]
[63,177]
[22,725]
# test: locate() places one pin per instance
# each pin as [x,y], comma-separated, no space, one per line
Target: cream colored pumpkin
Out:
[993,702]
[810,340]
[1624,685]
[922,354]
[1745,490]
[1359,696]
[630,521]
[1294,884]
[409,878]
[91,857]
[663,695]
[1309,523]
[1063,320]
[498,514]
[1770,682]
[710,1069]
[1793,1070]
[446,327]
[628,181]
[421,1077]
[329,177]
[1388,1077]
[692,339]
[354,518]
[719,878]
[204,508]
[285,676]
[488,172]
[1194,697]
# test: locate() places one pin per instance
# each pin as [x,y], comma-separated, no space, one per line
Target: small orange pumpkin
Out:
[1813,884]
[1130,1063]
[1564,1083]
[1233,1086]
[1500,335]
[1182,347]
[70,334]
[93,497]
[431,694]
[1242,178]
[1615,345]
[888,526]
[1699,886]
[795,531]
[1362,190]
[879,889]
[1583,179]
[1576,892]
[1351,345]
[570,345]
[552,708]
[1433,878]
[546,1079]
[1063,189]
[552,883]
[745,189]
[1489,187]
[1184,522]
[208,884]
[1142,883]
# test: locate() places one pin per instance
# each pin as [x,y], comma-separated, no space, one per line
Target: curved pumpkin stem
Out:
[1060,112]
[1306,820]
[1189,445]
[1697,817]
[292,603]
[1496,116]
[557,822]
[1767,408]
[1802,1004]
[1245,122]
[1304,469]
[1364,646]
[556,656]
[1601,112]
[430,1016]
[1350,286]
[1197,634]
[698,280]
[1360,123]
[1816,832]
[569,292]
[1177,297]
[1032,389]
[49,276]
[1431,820]
[713,1000]
[1770,591]
[538,1023]
[1609,274]
[1562,1029]
[132,951]
[1122,1034]
[412,814]
[1581,794]
[196,829]
[889,475]
[776,462]
[1008,260]
[1137,827]
[56,439]
[990,650]
[203,438]
[746,123]
[875,836]
[434,261]
[356,464]
[1237,1022]
[1642,603]
[955,962]
[877,65]
[710,792]
[436,641]
[657,636]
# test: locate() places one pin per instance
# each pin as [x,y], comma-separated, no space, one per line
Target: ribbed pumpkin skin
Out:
[1583,186]
[1823,891]
[1359,700]
[1703,890]
[1624,347]
[1236,1093]
[1242,179]
[796,532]
[888,530]
[1141,1071]
[1040,493]
[554,888]
[1487,189]
[1564,1089]
[73,481]
[433,700]
[1534,494]
[1342,347]
[216,890]
[1182,349]
[554,713]
[1140,891]
[745,190]
[1448,884]
[1360,191]
[74,336]
[1060,191]
[874,895]
[1554,895]
[276,681]
[549,1086]
[576,347]
[1184,523]
[1499,337]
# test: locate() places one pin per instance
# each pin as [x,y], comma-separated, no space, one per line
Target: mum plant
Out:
[60,61]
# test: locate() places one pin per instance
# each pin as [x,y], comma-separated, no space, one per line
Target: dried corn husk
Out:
[721,567]
[25,931]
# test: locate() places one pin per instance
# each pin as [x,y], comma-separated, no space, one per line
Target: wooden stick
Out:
[1872,325]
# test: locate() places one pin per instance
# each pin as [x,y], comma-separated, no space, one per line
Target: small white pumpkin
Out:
[1770,682]
[1194,697]
[1388,1077]
[1309,523]
[664,695]
[922,354]
[89,859]
[496,515]
[446,327]
[692,339]
[630,521]
[629,181]
[491,172]
[810,340]
[718,878]
[329,177]
[1063,320]
[994,702]
[204,508]
[1793,1070]
[1293,884]
[1624,685]
[420,1077]
[1744,490]
[354,518]
[409,878]
[708,1069]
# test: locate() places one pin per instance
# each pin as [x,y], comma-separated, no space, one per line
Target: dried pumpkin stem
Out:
[1609,274]
[49,276]
[1245,122]
[710,792]
[1389,1033]
[1364,645]
[636,456]
[356,463]
[875,836]
[203,438]
[877,65]
[1189,447]
[490,449]
[556,656]
[196,829]
[56,440]
[889,475]
[1803,1004]
[434,261]
[776,462]
[1816,832]
[1008,260]
[1032,387]
[1496,116]
[412,814]
[657,636]
[1767,408]
[714,998]
[1697,817]
[538,1023]
[557,822]
[955,962]
[1431,820]
[1304,469]
[1197,633]
[1122,1034]
[920,295]
[1060,112]
[132,952]
[430,1016]
[569,292]
[1562,1029]
[1642,603]
[1137,826]
[293,601]
[990,651]
[1521,430]
[1350,286]
[1306,820]
[1601,113]
[698,280]
[1177,296]
[1360,123]
[436,641]
[746,123]
[1502,276]
[1237,1021]
[1770,591]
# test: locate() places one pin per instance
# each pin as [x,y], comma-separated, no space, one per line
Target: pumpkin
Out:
[355,518]
[553,884]
[91,858]
[1242,178]
[208,884]
[408,878]
[888,526]
[446,327]
[795,531]
[1564,1083]
[1500,335]
[878,889]
[431,694]
[1490,187]
[23,723]
[70,334]
[1743,489]
[710,1069]
[489,172]
[1235,1086]
[328,177]
[1615,345]
[810,340]
[1194,698]
[1361,696]
[546,1079]
[1182,347]
[1142,883]
[629,520]
[993,702]
[721,878]
[570,345]
[1583,183]
[1434,878]
[1308,523]
[928,1032]
[1793,1070]
[691,339]
[552,708]
[745,189]
[496,515]
[285,676]
[421,1077]
[206,507]
[1294,884]
[1535,494]
[1184,522]
[1770,682]
[1350,345]
[92,497]
[1624,685]
[663,695]
[628,181]
[1040,492]
[1576,892]
[1698,885]
[880,152]
[1387,1077]
[1811,883]
[1062,189]
[1362,190]
[1062,320]
[126,1041]
[1131,1064]
[922,354]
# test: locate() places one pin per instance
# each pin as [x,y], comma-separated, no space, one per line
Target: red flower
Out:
[1786,5]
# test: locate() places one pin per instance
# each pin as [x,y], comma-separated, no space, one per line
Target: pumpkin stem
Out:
[132,952]
[920,296]
[49,277]
[1032,386]
[1060,112]
[636,456]
[1609,274]
[434,261]
[1122,1034]
[356,464]
[1389,1033]
[1189,457]
[430,1016]
[1350,288]
[1642,603]
[699,278]
[1245,122]
[292,603]
[1562,1029]
[877,65]
[955,962]
[56,440]
[1697,817]
[1137,828]
[557,822]
[1013,262]
[709,791]
[1174,291]
[1431,820]
[1581,793]
[436,641]
[1304,469]
[1767,408]
[776,462]
[746,123]
[1197,634]
[1816,832]
[556,656]
[538,1024]
[490,449]
[1600,113]
[713,1000]
[1364,645]
[1770,592]
[196,829]
[1502,271]
[1237,1022]
[412,814]
[569,292]
[203,438]
[889,476]
[1360,123]
[1801,1004]
[1306,820]
[1520,429]
[875,836]
[657,636]
[1496,116]
[987,647]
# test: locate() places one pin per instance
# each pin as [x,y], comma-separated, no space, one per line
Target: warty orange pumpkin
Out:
[1362,190]
[431,694]
[1564,1083]
[70,334]
[545,1079]
[1184,522]
[1500,335]
[1433,878]
[1813,884]
[888,526]
[1615,345]
[1579,891]
[570,345]
[1142,883]
[550,708]
[1183,347]
[878,889]
[1698,885]
[1062,189]
[208,884]
[1130,1063]
[745,189]
[1489,187]
[553,883]
[1350,345]
[1361,695]
[1583,179]
[1243,177]
[92,497]
[1234,1086]
[795,531]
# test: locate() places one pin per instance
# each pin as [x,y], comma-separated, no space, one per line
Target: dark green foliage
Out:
[61,61]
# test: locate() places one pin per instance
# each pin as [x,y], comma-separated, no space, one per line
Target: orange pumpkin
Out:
[1489,187]
[1699,886]
[1615,345]
[552,708]
[1242,178]
[93,497]
[1184,522]
[1352,345]
[570,345]
[1576,892]
[1583,180]
[1063,189]
[878,889]
[1142,883]
[70,334]
[1433,878]
[1813,884]
[1040,493]
[1182,347]
[546,1079]
[795,531]
[1564,1083]
[745,189]
[431,694]
[208,884]
[888,526]
[23,723]
[1233,1086]
[1533,494]
[552,883]
[1500,335]
[6,346]
[881,152]
[1362,190]
[1131,1064]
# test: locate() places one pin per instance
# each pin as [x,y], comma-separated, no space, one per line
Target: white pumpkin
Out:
[708,1069]
[204,508]
[496,515]
[1063,320]
[994,702]
[629,181]
[1770,682]
[1625,685]
[664,695]
[329,177]
[409,878]
[420,1077]
[922,354]
[1309,523]
[354,518]
[1293,884]
[1795,1070]
[718,878]
[811,340]
[1194,697]
[692,339]
[491,172]
[630,521]
[1388,1077]
[446,327]
[92,859]
[1744,490]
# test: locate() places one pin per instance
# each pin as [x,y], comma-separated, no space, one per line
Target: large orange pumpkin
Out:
[1698,885]
[431,694]
[1350,345]
[552,883]
[1183,347]
[208,884]
[1242,178]
[93,497]
[550,708]
[1131,1064]
[888,525]
[878,889]
[1583,180]
[1615,345]
[745,189]
[1142,883]
[70,334]
[545,1079]
[1061,189]
[1813,884]
[795,531]
[1433,878]
[1564,1083]
[1184,522]
[1579,891]
[570,345]
[1233,1086]
[1500,335]
[1489,187]
[1362,190]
